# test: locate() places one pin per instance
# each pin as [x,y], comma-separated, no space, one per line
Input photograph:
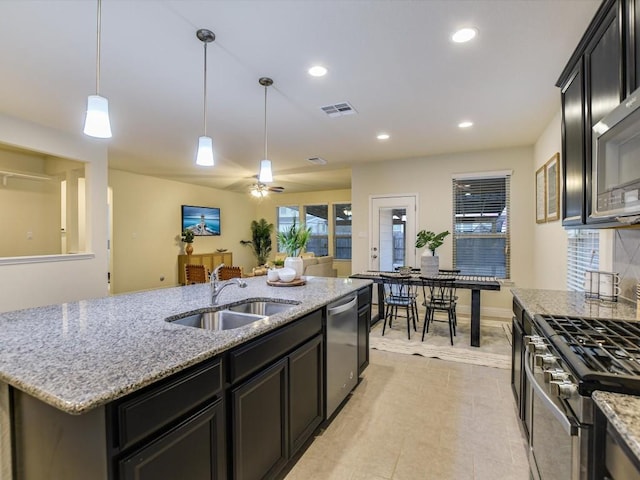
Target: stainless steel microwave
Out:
[616,161]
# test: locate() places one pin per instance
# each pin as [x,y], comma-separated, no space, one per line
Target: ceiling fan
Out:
[260,189]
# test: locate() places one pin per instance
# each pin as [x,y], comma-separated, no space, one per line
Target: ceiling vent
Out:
[339,109]
[317,160]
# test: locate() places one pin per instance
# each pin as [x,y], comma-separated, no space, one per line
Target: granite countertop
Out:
[623,412]
[77,356]
[558,302]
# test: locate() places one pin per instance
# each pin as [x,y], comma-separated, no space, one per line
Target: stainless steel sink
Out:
[219,320]
[262,307]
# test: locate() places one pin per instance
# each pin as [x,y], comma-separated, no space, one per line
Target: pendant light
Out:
[265,175]
[204,156]
[96,122]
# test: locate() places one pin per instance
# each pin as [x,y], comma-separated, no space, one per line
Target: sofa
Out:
[319,266]
[315,266]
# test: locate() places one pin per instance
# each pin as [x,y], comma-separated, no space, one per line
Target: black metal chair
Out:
[399,293]
[439,295]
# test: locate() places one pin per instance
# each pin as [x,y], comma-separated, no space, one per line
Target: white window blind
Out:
[481,224]
[583,253]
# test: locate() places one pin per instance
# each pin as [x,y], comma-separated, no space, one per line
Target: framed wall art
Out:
[541,195]
[552,182]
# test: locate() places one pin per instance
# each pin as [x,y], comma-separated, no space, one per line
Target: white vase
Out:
[296,264]
[429,264]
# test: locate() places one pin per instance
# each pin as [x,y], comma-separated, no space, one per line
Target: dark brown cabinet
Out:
[364,325]
[277,406]
[194,450]
[599,74]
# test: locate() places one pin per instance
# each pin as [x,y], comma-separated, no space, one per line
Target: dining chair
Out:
[195,273]
[227,273]
[399,293]
[439,295]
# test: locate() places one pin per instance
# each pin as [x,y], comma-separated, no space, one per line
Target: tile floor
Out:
[415,418]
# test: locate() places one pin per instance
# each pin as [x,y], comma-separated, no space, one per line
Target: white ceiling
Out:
[391,59]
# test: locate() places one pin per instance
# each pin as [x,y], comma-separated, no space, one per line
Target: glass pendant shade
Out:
[97,121]
[265,175]
[204,156]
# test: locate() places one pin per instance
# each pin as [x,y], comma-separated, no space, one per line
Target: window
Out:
[481,225]
[316,218]
[342,231]
[583,253]
[286,217]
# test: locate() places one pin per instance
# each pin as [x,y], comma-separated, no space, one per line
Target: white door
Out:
[393,232]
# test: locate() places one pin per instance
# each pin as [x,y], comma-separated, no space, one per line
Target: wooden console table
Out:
[209,260]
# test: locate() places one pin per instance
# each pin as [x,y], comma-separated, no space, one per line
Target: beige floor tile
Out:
[416,418]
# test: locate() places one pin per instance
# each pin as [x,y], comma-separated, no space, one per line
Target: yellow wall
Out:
[146,228]
[266,208]
[430,178]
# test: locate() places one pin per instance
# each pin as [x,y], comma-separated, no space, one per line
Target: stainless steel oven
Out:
[558,437]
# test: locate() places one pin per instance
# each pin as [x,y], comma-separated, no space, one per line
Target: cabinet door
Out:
[260,424]
[516,364]
[573,160]
[194,449]
[364,321]
[306,393]
[632,43]
[604,83]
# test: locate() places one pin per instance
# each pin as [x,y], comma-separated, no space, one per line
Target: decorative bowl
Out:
[287,274]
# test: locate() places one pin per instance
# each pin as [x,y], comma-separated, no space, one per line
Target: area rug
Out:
[494,350]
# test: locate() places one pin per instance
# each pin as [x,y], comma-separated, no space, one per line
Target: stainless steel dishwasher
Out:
[342,350]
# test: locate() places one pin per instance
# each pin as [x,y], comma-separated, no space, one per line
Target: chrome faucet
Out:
[217,286]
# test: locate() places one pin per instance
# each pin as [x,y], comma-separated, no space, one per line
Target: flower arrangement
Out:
[187,236]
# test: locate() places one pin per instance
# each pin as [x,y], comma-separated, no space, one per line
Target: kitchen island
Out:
[86,360]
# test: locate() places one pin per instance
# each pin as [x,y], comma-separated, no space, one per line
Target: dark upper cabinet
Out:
[573,158]
[593,83]
[604,84]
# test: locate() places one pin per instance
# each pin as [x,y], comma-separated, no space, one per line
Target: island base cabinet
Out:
[260,424]
[277,411]
[194,450]
[53,445]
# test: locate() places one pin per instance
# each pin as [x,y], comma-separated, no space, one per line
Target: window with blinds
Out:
[481,224]
[583,253]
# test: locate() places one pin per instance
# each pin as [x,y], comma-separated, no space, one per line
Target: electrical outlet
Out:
[29,235]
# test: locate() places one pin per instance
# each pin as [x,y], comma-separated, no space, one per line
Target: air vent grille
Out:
[339,109]
[317,160]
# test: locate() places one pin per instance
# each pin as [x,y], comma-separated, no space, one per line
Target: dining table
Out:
[475,283]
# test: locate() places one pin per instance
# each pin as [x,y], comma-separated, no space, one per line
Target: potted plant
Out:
[260,242]
[187,237]
[292,241]
[430,264]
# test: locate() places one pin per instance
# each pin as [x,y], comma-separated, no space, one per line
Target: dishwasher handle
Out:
[343,308]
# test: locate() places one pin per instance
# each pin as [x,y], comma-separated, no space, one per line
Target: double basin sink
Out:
[233,316]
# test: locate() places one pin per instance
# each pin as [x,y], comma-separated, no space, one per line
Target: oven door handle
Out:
[569,427]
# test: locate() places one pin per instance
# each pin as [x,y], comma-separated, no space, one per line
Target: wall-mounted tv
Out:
[202,221]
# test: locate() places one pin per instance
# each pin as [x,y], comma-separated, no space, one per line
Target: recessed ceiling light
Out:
[464,35]
[465,124]
[317,71]
[383,136]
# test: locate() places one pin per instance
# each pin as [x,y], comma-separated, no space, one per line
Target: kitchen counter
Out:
[623,413]
[77,356]
[558,302]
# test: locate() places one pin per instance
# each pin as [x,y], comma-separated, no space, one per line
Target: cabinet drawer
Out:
[253,357]
[158,407]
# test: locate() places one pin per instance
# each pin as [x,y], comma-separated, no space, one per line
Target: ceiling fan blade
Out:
[276,189]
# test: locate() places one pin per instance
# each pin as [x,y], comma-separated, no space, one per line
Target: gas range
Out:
[602,354]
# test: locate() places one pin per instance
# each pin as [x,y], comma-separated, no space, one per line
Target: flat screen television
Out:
[202,221]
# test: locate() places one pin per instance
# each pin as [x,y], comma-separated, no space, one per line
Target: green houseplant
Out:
[430,239]
[292,241]
[430,264]
[260,242]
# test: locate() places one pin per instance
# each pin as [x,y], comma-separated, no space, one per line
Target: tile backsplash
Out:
[626,261]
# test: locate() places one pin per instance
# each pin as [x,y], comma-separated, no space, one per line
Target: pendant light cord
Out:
[98,30]
[204,106]
[265,122]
